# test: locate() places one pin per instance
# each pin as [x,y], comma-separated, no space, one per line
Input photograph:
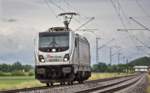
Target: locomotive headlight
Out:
[41,58]
[66,57]
[53,50]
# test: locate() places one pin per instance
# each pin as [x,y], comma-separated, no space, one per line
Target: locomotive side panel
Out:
[84,52]
[84,55]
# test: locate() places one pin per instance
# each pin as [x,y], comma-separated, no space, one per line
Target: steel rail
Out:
[44,87]
[111,88]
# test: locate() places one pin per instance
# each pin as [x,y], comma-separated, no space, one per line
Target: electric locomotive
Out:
[61,55]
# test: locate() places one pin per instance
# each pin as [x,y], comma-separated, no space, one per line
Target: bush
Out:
[31,73]
[5,73]
[18,73]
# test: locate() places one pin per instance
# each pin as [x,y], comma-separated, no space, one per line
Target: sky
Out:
[21,20]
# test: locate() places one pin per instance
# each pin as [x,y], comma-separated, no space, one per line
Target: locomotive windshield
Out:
[59,41]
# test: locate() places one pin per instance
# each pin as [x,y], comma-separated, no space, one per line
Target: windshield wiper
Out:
[53,43]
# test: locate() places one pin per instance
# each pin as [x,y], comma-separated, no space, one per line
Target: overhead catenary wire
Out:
[127,18]
[122,21]
[85,23]
[137,23]
[140,24]
[142,8]
[74,9]
[141,42]
[120,18]
[50,8]
[123,12]
[118,13]
[59,7]
[62,9]
[134,37]
[69,5]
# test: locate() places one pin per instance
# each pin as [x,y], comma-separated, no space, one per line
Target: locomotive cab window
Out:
[75,42]
[58,41]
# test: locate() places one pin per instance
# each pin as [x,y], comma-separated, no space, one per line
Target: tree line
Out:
[17,66]
[102,67]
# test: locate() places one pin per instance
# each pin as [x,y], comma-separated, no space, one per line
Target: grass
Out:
[17,82]
[105,75]
[148,88]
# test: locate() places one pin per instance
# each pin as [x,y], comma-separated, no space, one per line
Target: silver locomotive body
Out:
[62,57]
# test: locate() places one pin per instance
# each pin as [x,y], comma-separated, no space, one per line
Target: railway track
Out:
[109,85]
[112,87]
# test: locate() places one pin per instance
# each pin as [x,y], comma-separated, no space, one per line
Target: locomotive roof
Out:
[58,29]
[82,37]
[52,33]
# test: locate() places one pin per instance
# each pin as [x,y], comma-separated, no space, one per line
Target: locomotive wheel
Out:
[72,76]
[62,83]
[80,81]
[80,77]
[47,84]
[70,83]
[51,83]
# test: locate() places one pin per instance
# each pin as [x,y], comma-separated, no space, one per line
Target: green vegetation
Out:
[16,69]
[16,82]
[95,76]
[17,76]
[148,87]
[143,61]
[17,73]
[17,66]
[121,68]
